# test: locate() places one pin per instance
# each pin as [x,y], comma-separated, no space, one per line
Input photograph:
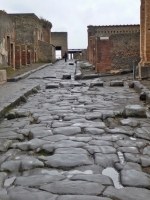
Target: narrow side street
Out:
[74,140]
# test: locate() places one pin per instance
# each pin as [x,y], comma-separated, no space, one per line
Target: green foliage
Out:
[45,23]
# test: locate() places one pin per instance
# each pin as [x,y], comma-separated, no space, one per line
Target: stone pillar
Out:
[144,65]
[17,56]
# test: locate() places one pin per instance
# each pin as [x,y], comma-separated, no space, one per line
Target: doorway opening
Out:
[58,53]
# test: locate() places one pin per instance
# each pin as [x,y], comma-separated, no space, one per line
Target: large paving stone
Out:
[20,193]
[128,193]
[142,133]
[106,160]
[29,145]
[55,138]
[37,180]
[128,166]
[90,125]
[100,143]
[67,160]
[94,131]
[98,178]
[21,163]
[74,188]
[81,197]
[70,151]
[90,169]
[68,131]
[134,111]
[146,150]
[129,122]
[133,178]
[120,130]
[11,135]
[128,150]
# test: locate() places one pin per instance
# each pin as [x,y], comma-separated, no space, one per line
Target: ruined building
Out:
[7,40]
[144,64]
[25,39]
[113,47]
[60,41]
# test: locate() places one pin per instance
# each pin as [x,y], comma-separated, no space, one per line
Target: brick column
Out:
[17,56]
[144,65]
[24,55]
[142,31]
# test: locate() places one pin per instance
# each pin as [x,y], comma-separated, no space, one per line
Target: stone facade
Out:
[144,64]
[60,41]
[32,31]
[23,37]
[7,40]
[113,47]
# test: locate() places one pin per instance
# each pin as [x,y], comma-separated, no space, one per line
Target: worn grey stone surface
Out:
[58,141]
[127,193]
[74,187]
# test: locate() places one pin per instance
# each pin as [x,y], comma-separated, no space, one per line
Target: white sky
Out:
[73,16]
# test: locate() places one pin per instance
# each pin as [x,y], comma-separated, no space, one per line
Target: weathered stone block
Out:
[134,111]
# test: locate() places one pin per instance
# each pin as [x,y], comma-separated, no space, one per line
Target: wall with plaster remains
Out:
[113,47]
[7,36]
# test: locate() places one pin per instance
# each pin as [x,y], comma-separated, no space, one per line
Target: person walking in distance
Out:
[65,56]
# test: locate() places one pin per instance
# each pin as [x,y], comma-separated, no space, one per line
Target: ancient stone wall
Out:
[113,47]
[45,52]
[7,37]
[60,39]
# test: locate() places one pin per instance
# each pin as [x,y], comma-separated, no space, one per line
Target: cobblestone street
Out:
[74,139]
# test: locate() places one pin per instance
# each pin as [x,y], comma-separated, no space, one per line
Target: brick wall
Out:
[60,39]
[113,47]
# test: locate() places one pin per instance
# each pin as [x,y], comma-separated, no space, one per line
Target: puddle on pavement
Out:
[114,175]
[9,182]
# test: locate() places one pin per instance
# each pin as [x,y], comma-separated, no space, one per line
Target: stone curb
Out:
[16,100]
[24,75]
[141,89]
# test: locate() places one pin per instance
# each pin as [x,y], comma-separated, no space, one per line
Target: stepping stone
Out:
[134,111]
[90,76]
[74,188]
[97,84]
[52,86]
[116,83]
[127,193]
[66,76]
[66,160]
[133,178]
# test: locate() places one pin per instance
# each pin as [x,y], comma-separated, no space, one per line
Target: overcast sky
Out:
[73,16]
